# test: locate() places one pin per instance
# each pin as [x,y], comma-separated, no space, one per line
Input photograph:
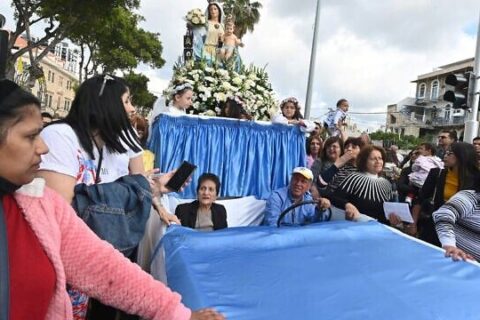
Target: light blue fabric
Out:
[331,270]
[248,157]
[280,200]
[199,33]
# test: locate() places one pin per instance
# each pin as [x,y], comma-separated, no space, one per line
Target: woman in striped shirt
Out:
[365,191]
[458,225]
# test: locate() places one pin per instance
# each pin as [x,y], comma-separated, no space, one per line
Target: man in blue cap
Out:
[295,192]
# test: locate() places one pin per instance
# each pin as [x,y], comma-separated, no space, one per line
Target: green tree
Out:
[107,32]
[245,13]
[405,142]
[143,99]
[117,43]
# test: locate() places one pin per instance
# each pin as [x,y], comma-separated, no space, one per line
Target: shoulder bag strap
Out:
[4,273]
[432,201]
[99,164]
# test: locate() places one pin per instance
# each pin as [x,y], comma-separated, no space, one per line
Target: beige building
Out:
[427,112]
[56,88]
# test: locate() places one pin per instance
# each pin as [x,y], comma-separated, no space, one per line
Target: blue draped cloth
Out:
[329,271]
[250,158]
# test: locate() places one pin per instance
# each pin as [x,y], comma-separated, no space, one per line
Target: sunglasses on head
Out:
[105,79]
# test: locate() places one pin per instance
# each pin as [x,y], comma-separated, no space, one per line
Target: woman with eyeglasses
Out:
[457,223]
[460,162]
[331,178]
[43,243]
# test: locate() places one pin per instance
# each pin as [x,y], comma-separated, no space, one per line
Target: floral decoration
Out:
[214,84]
[196,17]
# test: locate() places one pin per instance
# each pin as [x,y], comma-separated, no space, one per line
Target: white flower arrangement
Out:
[213,85]
[196,17]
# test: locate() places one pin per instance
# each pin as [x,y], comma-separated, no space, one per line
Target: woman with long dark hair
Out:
[460,171]
[314,149]
[94,144]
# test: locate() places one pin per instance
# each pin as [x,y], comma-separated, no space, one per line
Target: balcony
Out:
[442,122]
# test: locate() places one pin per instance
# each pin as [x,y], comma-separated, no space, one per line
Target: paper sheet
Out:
[401,209]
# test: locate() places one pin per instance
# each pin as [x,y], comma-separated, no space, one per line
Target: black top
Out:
[367,193]
[434,184]
[187,213]
[403,184]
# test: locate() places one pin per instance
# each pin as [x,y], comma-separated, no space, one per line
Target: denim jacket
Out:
[117,211]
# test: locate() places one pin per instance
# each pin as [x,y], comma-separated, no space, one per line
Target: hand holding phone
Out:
[181,176]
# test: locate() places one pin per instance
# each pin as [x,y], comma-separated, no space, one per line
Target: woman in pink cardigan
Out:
[44,245]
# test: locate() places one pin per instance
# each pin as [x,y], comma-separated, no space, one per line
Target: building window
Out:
[435,85]
[421,90]
[49,75]
[53,77]
[447,112]
[393,120]
[66,106]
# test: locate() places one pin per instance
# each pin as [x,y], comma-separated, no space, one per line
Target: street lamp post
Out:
[313,58]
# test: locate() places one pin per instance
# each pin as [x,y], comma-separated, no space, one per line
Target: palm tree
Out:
[245,13]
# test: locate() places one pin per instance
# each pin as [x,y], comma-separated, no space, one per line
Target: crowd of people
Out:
[67,184]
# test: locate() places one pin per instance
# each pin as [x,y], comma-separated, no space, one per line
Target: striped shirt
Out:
[365,191]
[342,173]
[458,222]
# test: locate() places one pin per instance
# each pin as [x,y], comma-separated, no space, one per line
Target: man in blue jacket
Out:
[295,192]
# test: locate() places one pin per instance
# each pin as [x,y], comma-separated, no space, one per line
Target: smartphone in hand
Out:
[181,176]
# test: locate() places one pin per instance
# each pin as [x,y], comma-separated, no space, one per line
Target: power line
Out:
[382,112]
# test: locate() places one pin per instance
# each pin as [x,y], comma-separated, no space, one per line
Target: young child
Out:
[423,164]
[230,41]
[336,118]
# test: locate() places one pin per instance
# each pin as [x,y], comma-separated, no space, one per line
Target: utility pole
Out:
[471,125]
[313,58]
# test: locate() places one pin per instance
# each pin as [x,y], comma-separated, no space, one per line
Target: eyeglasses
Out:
[105,79]
[442,137]
[448,152]
[333,146]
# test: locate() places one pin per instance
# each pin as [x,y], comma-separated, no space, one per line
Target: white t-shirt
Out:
[67,156]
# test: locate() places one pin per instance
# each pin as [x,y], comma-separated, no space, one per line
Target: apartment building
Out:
[427,112]
[55,88]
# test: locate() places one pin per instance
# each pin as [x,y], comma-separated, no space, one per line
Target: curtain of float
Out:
[250,158]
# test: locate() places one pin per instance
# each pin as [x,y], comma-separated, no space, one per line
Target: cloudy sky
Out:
[369,51]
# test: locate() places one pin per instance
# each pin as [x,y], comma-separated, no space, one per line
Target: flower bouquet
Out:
[213,84]
[195,17]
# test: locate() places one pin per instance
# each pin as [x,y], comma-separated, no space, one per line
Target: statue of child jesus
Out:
[230,41]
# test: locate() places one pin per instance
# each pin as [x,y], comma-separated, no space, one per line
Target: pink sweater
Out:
[81,259]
